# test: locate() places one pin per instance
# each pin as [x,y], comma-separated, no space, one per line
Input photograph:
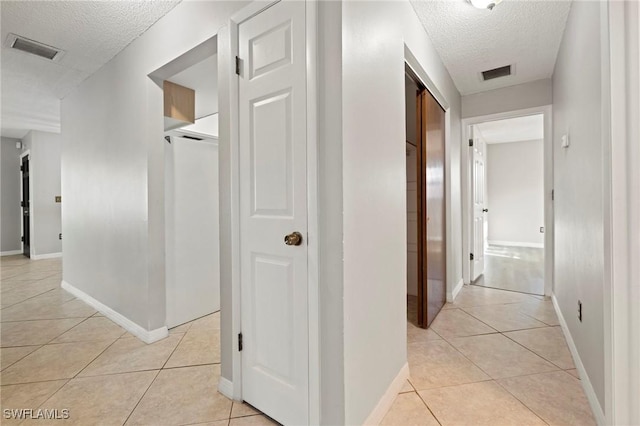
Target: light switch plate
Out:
[565,141]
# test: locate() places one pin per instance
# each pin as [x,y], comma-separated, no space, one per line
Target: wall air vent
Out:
[193,138]
[35,48]
[496,73]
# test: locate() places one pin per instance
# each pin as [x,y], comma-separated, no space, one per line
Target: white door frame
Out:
[236,19]
[22,155]
[467,207]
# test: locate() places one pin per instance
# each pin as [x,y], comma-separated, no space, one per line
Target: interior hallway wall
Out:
[10,197]
[45,180]
[521,96]
[515,193]
[113,168]
[578,171]
[374,35]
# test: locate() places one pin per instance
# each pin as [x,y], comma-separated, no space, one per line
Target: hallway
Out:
[502,353]
[58,353]
[493,358]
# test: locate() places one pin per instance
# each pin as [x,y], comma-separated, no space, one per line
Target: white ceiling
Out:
[203,78]
[518,129]
[523,33]
[91,33]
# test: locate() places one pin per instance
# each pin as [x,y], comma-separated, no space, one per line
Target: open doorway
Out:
[426,241]
[507,193]
[192,258]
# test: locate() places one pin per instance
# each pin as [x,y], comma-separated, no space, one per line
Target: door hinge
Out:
[470,256]
[22,238]
[21,203]
[22,168]
[553,194]
[237,65]
[470,142]
[240,342]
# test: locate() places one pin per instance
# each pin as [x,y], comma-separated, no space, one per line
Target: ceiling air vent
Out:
[496,73]
[35,48]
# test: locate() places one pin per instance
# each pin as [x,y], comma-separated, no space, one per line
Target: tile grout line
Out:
[142,396]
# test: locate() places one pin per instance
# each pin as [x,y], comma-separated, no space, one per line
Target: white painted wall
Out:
[578,171]
[113,168]
[515,193]
[192,237]
[521,96]
[10,197]
[45,178]
[373,184]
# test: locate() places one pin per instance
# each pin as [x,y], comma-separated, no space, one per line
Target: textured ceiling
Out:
[523,33]
[518,129]
[91,33]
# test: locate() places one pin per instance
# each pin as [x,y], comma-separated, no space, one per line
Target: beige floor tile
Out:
[556,397]
[417,334]
[480,296]
[94,328]
[408,410]
[216,423]
[455,323]
[503,317]
[26,396]
[437,363]
[542,310]
[574,373]
[241,409]
[183,396]
[103,400]
[53,362]
[259,420]
[547,342]
[22,293]
[181,329]
[35,275]
[41,308]
[501,357]
[25,333]
[9,356]
[207,322]
[127,355]
[481,404]
[197,347]
[407,387]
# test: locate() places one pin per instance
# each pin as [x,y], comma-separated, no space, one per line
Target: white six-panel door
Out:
[478,195]
[273,204]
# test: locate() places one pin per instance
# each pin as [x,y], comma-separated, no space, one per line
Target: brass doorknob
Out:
[293,239]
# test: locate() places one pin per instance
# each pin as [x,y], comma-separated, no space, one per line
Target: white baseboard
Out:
[10,252]
[46,256]
[385,403]
[225,387]
[515,244]
[584,377]
[454,293]
[147,336]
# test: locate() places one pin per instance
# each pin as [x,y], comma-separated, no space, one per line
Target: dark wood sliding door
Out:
[426,222]
[434,210]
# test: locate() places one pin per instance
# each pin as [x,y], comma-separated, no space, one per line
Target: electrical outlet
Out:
[579,311]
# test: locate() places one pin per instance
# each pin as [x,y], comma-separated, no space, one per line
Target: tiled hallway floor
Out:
[58,353]
[491,358]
